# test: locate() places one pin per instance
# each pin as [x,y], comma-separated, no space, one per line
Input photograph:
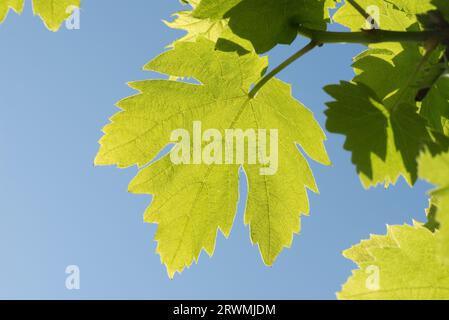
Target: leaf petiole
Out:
[309,47]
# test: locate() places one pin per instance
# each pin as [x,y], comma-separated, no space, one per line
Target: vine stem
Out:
[318,38]
[309,47]
[372,36]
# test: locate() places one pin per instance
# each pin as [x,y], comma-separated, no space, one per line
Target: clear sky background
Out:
[57,91]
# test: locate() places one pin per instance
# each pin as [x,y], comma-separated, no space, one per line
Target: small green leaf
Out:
[390,18]
[195,27]
[54,12]
[215,30]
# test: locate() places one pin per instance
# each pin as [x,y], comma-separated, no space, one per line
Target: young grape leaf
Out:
[206,28]
[191,202]
[385,15]
[5,5]
[215,30]
[435,169]
[266,23]
[422,6]
[52,12]
[385,141]
[388,16]
[413,6]
[402,265]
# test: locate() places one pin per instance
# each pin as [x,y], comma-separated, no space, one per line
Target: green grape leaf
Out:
[388,17]
[385,141]
[52,12]
[435,169]
[191,202]
[425,8]
[5,5]
[413,6]
[397,15]
[215,30]
[266,23]
[402,265]
[206,28]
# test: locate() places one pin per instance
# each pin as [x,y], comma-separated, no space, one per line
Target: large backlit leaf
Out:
[191,202]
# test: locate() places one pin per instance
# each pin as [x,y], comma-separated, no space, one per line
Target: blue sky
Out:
[57,91]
